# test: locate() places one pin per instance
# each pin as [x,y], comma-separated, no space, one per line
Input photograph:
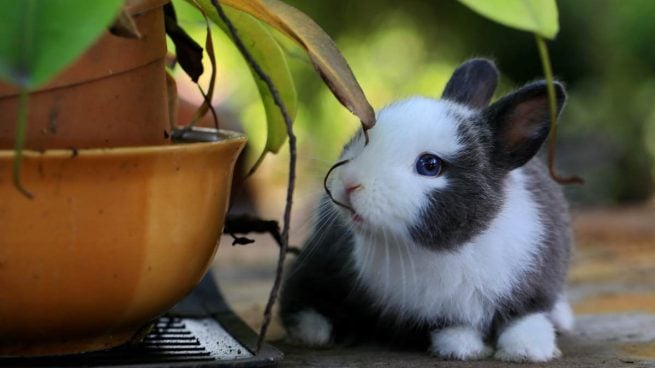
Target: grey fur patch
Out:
[472,84]
[539,289]
[472,198]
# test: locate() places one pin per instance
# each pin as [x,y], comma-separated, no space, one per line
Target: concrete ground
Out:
[611,288]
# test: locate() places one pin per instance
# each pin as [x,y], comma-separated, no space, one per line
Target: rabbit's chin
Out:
[368,227]
[358,223]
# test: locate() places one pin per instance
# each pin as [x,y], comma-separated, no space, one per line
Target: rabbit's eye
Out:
[428,165]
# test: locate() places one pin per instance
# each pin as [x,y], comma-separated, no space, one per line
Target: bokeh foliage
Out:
[603,53]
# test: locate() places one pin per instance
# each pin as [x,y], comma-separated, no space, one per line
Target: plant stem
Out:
[256,165]
[552,136]
[207,104]
[292,168]
[21,132]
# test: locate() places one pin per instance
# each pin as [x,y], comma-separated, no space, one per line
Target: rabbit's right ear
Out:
[520,122]
[472,84]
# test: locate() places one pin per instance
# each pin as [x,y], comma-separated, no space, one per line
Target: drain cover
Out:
[204,339]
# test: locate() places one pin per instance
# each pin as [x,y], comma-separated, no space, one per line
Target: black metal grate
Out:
[171,340]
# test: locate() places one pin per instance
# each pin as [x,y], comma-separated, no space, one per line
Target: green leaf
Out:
[539,16]
[270,56]
[42,37]
[324,54]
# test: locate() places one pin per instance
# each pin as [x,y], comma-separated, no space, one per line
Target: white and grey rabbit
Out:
[457,237]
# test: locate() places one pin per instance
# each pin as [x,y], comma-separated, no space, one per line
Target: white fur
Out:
[310,328]
[386,167]
[528,339]
[562,316]
[416,284]
[463,286]
[462,343]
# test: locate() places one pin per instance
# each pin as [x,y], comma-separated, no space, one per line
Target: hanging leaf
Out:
[324,54]
[40,38]
[207,97]
[539,16]
[271,58]
[187,50]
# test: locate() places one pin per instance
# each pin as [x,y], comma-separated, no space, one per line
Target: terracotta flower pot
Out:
[92,103]
[113,238]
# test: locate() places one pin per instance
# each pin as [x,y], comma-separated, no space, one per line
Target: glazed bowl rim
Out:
[227,136]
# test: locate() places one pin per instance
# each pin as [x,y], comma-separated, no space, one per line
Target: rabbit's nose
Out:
[351,188]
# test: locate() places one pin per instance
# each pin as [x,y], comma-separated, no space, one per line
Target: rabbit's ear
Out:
[472,84]
[520,122]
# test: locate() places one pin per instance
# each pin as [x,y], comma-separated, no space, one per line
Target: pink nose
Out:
[352,188]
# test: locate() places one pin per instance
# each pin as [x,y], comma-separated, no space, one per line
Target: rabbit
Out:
[449,233]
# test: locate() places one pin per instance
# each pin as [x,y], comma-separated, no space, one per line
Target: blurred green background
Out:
[604,53]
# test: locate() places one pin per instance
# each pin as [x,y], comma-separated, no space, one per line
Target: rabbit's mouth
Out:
[357,219]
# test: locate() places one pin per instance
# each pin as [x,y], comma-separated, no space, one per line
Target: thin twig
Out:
[292,168]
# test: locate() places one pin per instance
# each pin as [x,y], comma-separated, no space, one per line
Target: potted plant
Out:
[105,228]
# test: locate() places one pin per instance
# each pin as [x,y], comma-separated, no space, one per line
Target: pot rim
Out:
[227,136]
[138,7]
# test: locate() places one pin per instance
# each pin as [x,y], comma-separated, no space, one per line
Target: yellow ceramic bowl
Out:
[111,239]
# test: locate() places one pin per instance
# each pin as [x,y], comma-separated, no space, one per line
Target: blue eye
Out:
[428,165]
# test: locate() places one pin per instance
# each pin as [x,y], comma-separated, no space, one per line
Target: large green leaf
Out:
[539,16]
[319,46]
[265,48]
[39,38]
[271,58]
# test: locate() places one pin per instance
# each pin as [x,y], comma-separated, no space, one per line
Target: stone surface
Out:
[611,288]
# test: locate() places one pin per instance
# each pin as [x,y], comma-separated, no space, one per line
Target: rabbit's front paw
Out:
[460,343]
[528,339]
[310,328]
